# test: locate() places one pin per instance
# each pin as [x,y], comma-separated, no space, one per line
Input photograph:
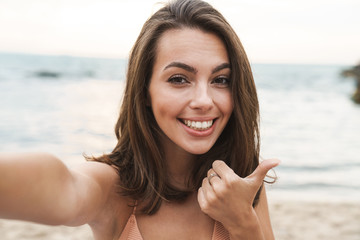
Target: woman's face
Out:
[189,89]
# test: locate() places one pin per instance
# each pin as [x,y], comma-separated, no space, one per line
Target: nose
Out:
[201,97]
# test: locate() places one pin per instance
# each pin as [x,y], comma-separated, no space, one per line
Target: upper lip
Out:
[199,119]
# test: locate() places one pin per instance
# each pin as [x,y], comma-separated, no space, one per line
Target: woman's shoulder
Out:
[104,177]
[117,208]
[100,173]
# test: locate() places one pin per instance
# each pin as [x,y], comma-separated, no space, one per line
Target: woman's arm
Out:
[40,188]
[262,213]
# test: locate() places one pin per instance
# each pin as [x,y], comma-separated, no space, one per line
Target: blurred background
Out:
[63,63]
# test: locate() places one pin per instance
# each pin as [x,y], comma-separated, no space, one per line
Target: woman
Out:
[186,165]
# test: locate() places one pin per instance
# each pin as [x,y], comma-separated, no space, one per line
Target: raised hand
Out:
[228,198]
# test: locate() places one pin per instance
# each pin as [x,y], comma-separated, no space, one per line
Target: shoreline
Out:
[295,220]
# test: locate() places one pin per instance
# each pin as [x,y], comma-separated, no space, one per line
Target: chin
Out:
[198,151]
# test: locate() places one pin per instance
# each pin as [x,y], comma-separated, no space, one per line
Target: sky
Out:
[272,31]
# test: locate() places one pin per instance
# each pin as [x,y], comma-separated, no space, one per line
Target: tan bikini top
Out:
[132,232]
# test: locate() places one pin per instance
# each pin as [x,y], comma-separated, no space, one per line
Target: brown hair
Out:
[138,157]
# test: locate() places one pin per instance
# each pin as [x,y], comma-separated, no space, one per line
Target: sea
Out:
[68,106]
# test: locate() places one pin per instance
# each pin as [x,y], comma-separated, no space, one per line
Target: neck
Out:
[179,164]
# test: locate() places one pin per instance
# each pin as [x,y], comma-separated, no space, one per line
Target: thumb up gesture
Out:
[228,198]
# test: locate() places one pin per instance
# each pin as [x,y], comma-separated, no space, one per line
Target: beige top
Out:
[132,232]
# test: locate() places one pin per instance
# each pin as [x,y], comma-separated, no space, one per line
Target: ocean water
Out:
[309,122]
[68,106]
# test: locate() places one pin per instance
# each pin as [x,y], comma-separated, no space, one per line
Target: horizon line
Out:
[114,57]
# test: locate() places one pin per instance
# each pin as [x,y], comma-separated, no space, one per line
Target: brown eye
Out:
[178,80]
[221,81]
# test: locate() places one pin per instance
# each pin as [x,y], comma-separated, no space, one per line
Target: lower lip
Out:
[197,133]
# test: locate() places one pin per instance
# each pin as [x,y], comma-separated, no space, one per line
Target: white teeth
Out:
[198,125]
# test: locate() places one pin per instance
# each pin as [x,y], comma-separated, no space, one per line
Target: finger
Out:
[213,177]
[206,186]
[201,197]
[208,192]
[209,189]
[260,172]
[221,168]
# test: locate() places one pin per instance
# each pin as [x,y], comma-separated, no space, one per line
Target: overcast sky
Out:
[272,31]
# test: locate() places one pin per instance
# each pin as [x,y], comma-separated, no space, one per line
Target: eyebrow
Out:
[221,67]
[194,70]
[181,65]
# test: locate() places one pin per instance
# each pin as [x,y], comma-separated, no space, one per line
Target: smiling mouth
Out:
[198,125]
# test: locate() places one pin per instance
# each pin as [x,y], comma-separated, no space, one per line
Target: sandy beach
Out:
[315,220]
[291,221]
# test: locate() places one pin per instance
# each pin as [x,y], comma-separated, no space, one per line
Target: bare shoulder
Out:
[100,172]
[114,209]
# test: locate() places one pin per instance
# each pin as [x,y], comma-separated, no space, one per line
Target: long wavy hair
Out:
[138,156]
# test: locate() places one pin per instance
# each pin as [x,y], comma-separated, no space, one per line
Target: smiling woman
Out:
[186,164]
[189,87]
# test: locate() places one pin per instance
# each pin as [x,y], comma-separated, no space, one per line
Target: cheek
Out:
[167,102]
[225,103]
[163,110]
[164,107]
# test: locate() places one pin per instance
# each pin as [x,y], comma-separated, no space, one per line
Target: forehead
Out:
[189,44]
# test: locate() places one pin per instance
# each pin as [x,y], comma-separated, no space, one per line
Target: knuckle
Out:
[212,199]
[261,165]
[221,193]
[217,163]
[204,181]
[204,206]
[263,168]
[231,182]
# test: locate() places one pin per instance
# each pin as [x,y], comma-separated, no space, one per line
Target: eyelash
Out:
[180,80]
[174,80]
[225,81]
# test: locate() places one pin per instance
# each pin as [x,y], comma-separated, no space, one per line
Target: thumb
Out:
[260,172]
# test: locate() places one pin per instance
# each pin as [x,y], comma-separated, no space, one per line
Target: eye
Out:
[221,81]
[178,80]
